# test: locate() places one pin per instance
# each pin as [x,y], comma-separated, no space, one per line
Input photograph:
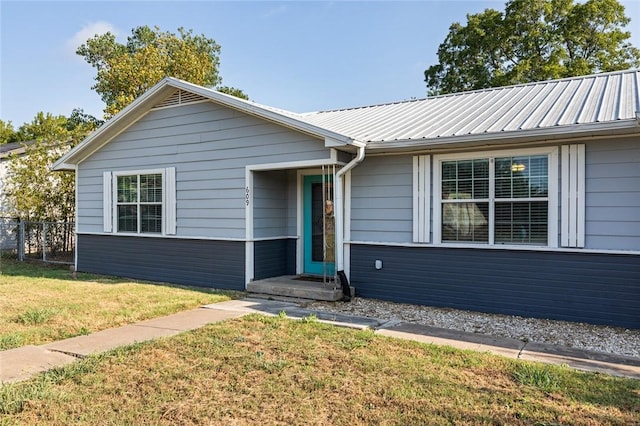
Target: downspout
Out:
[339,208]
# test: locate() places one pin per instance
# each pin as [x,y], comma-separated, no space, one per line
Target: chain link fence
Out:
[52,242]
[8,238]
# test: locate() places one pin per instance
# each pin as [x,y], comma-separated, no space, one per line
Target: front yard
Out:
[270,370]
[41,304]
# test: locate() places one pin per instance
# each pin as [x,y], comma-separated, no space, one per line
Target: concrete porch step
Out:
[297,287]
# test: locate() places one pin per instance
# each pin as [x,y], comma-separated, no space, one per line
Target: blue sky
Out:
[300,56]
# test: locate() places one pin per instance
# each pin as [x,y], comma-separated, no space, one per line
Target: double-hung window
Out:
[496,198]
[139,203]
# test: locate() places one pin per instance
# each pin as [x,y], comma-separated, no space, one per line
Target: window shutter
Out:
[170,201]
[421,198]
[572,201]
[107,202]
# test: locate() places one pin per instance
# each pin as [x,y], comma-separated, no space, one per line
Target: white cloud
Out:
[87,32]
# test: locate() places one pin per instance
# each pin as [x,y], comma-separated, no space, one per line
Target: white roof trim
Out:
[142,105]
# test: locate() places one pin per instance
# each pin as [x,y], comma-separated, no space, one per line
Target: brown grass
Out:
[260,370]
[40,304]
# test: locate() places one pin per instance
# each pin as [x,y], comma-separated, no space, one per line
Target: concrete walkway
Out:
[24,362]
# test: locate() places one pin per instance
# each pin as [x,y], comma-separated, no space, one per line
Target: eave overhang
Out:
[541,135]
[142,105]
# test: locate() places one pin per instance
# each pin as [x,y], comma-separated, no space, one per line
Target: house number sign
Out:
[246,196]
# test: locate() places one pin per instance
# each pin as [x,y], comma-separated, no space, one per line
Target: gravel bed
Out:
[611,340]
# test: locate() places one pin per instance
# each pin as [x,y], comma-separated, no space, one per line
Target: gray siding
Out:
[382,199]
[292,203]
[270,194]
[215,264]
[275,204]
[613,194]
[274,258]
[593,288]
[210,146]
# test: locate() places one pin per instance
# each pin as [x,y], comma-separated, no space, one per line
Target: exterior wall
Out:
[292,203]
[209,146]
[270,192]
[593,288]
[274,258]
[381,191]
[382,199]
[3,198]
[215,264]
[613,194]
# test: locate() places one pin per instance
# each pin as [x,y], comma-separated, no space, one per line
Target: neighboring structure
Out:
[520,200]
[7,223]
[7,150]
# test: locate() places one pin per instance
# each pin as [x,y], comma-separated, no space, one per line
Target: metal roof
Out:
[555,104]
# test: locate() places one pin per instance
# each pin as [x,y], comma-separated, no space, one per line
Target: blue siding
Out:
[203,263]
[210,146]
[274,258]
[582,287]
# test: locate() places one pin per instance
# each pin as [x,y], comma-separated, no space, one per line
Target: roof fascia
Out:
[142,105]
[331,138]
[112,128]
[566,132]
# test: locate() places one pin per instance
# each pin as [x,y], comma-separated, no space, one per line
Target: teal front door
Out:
[319,226]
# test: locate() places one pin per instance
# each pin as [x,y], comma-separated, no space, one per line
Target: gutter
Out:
[339,208]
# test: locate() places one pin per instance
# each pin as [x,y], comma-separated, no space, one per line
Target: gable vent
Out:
[180,97]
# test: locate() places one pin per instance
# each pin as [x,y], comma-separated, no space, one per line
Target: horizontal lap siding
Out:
[613,194]
[209,146]
[270,204]
[382,199]
[593,288]
[203,263]
[274,258]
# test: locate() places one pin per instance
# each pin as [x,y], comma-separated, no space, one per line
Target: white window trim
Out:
[168,226]
[421,198]
[573,196]
[552,230]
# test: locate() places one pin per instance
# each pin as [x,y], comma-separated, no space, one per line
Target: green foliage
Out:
[540,376]
[126,71]
[7,133]
[35,192]
[35,316]
[232,91]
[533,40]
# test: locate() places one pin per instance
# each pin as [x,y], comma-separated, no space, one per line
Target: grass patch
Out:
[35,316]
[540,376]
[273,370]
[43,303]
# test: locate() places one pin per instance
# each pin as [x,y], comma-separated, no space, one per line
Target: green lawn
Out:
[40,304]
[269,370]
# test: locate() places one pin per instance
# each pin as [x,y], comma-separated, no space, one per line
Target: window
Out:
[493,198]
[139,203]
[144,202]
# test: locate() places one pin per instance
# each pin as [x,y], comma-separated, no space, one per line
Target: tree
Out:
[7,134]
[126,71]
[533,40]
[34,191]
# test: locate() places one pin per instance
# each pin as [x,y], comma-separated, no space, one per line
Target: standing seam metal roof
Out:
[591,99]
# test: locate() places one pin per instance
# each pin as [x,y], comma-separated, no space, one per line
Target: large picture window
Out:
[139,203]
[494,198]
